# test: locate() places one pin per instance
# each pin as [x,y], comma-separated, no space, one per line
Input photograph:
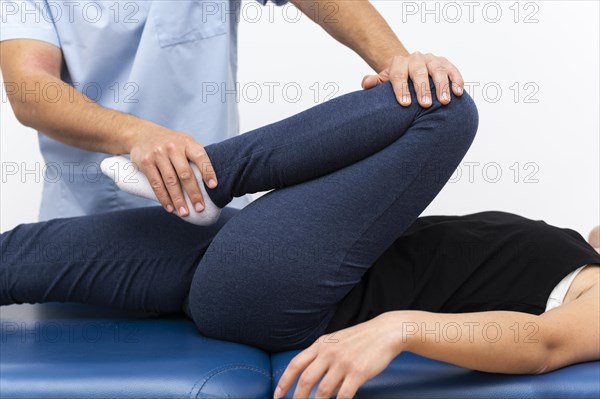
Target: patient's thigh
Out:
[273,274]
[269,275]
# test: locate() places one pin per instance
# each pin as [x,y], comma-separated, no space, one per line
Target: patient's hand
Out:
[419,67]
[594,238]
[350,357]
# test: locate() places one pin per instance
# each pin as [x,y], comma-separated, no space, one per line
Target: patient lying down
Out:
[494,291]
[490,291]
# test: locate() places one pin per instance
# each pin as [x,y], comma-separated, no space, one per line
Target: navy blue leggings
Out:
[349,176]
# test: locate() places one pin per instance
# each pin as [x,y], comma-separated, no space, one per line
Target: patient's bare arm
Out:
[594,238]
[499,341]
[510,342]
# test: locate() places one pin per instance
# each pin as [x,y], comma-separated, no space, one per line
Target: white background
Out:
[549,133]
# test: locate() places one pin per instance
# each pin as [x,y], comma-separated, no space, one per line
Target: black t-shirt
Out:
[455,264]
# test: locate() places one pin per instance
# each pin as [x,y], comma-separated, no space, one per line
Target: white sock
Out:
[129,179]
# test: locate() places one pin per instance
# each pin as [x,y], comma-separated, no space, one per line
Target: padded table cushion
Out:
[76,351]
[412,376]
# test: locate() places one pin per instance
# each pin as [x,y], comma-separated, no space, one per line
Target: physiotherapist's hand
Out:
[419,67]
[347,358]
[163,155]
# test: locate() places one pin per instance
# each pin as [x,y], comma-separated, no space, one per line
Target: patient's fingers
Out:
[293,370]
[594,237]
[349,387]
[330,383]
[310,377]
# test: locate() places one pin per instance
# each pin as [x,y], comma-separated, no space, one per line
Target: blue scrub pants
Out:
[349,176]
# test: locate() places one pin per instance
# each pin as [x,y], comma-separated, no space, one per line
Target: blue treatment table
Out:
[76,351]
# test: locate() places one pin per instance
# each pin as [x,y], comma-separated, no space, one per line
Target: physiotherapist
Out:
[148,78]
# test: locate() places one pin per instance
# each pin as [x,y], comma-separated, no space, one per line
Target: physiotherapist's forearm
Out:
[59,111]
[498,341]
[74,119]
[358,25]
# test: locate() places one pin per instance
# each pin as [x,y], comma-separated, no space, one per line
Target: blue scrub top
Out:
[172,62]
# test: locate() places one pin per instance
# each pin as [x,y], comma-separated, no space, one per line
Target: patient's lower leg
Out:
[139,259]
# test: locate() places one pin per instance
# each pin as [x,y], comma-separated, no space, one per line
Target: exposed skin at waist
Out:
[587,278]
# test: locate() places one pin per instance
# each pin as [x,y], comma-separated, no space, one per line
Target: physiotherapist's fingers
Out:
[171,180]
[439,74]
[330,383]
[188,178]
[418,72]
[310,377]
[399,74]
[293,370]
[370,81]
[458,83]
[148,167]
[196,153]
